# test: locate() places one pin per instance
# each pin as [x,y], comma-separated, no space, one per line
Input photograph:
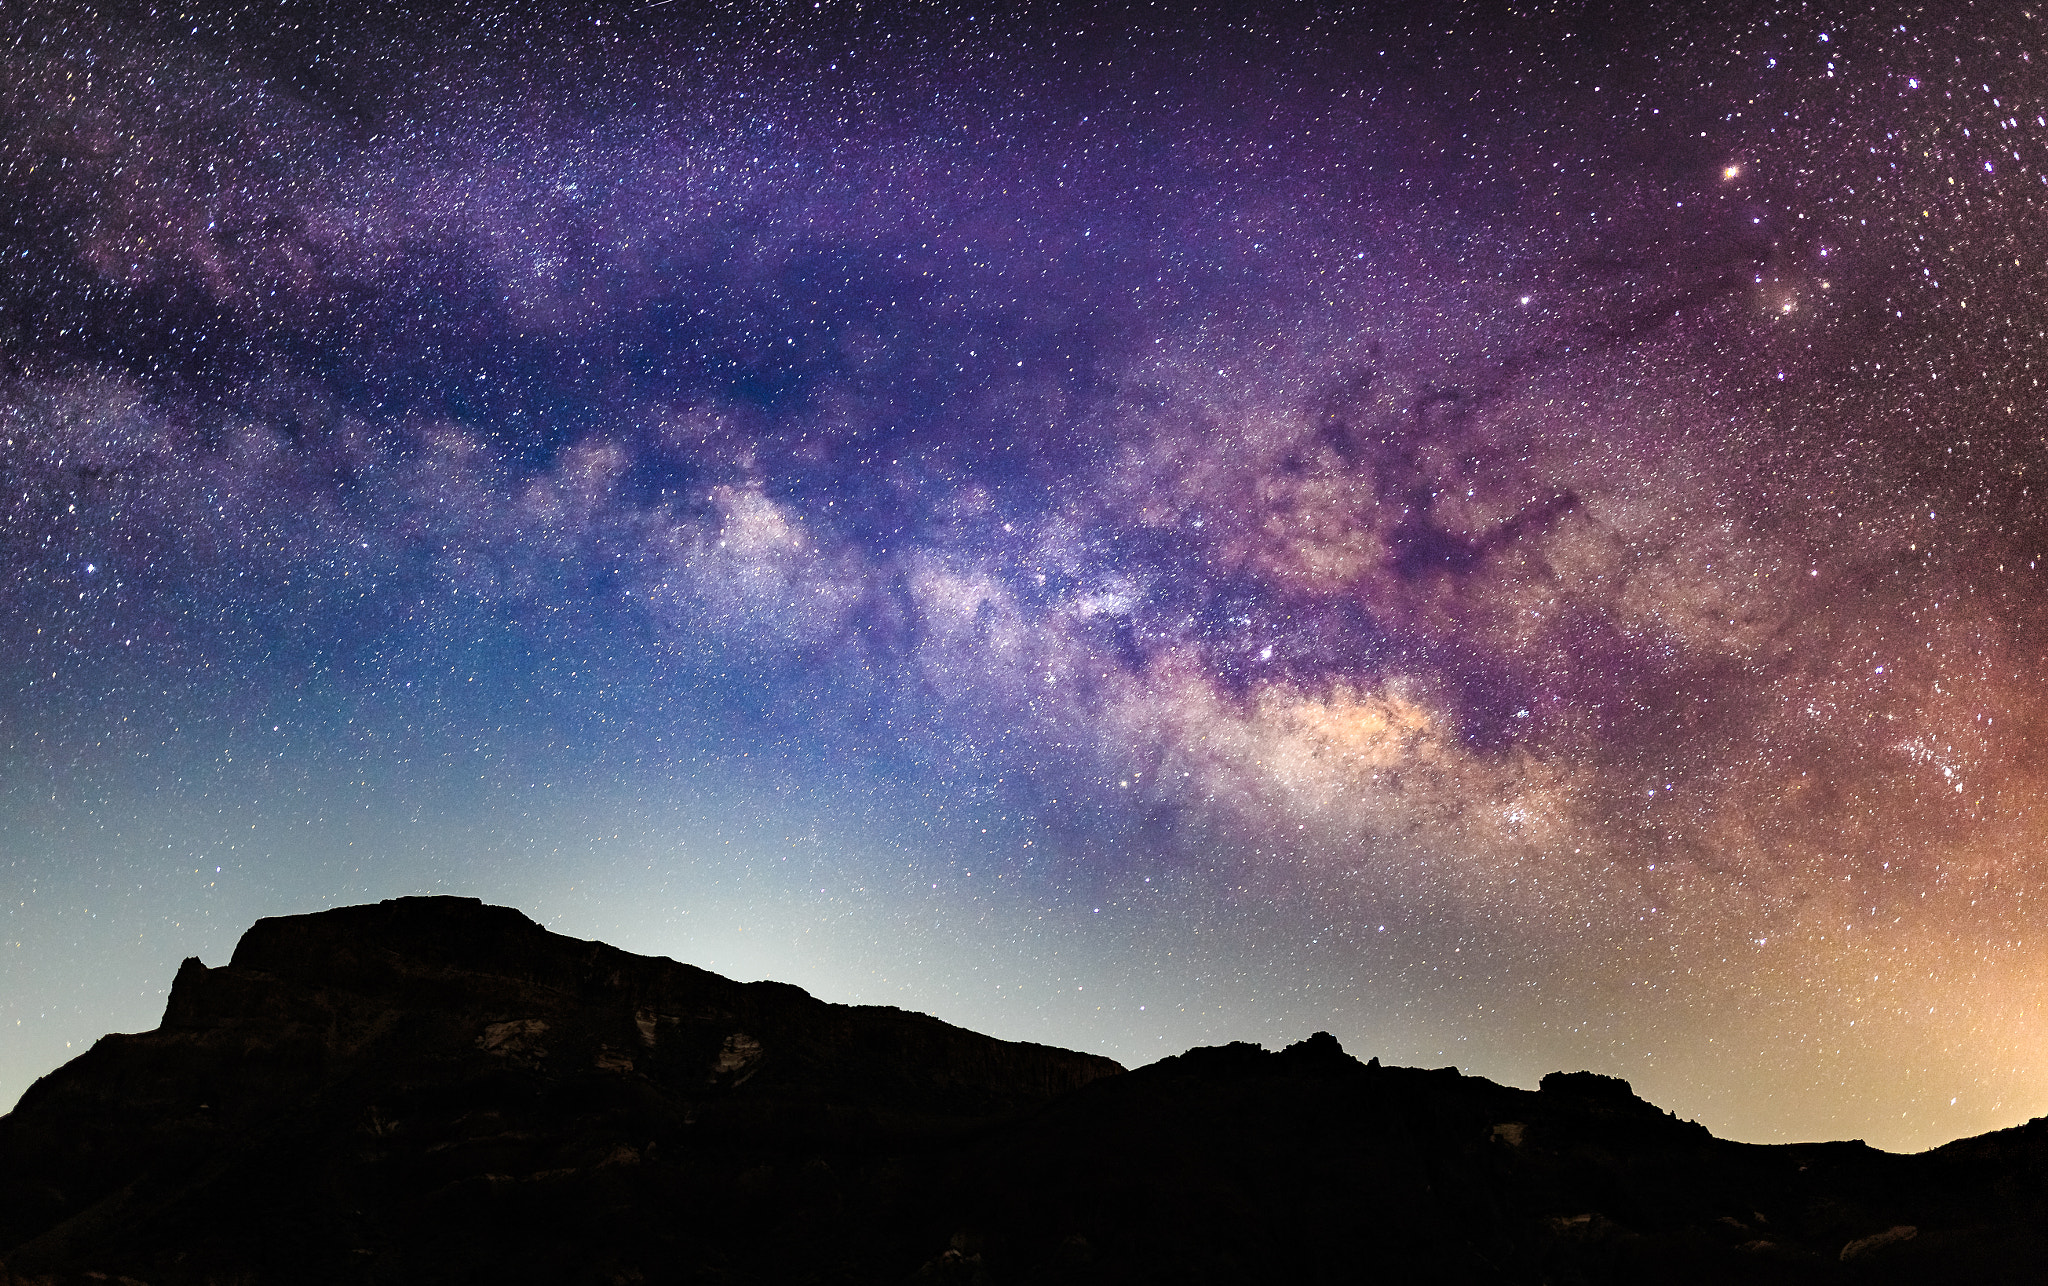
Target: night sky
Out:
[1504,533]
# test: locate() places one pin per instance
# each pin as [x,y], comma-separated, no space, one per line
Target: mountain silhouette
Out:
[436,1090]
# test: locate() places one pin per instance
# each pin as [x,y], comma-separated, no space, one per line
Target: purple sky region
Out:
[1503,533]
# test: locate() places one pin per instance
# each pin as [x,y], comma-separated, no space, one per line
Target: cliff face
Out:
[444,980]
[377,1084]
[436,1090]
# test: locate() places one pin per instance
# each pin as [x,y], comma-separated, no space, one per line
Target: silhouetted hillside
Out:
[433,1090]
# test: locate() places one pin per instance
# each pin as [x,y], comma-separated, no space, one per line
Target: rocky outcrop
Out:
[436,1090]
[399,1079]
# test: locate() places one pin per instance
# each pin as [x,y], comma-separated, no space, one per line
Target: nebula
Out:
[1500,535]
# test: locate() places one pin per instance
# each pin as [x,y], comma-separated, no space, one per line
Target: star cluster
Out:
[1507,538]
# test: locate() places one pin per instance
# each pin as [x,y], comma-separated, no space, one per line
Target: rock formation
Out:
[434,1090]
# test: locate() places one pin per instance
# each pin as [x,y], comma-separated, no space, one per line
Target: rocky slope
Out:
[435,1090]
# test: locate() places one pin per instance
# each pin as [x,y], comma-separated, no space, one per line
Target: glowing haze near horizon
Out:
[1503,536]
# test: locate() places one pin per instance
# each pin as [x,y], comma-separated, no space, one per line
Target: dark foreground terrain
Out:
[434,1090]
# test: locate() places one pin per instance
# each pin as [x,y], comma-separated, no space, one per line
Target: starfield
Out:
[1501,532]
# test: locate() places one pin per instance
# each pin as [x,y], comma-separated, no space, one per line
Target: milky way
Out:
[1503,536]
